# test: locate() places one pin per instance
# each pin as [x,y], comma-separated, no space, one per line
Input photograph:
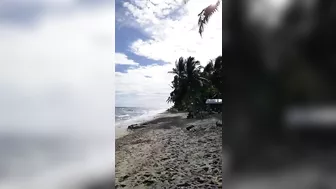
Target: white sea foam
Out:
[146,115]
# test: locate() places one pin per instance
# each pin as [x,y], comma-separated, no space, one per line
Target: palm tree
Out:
[187,82]
[193,84]
[209,90]
[208,70]
[193,78]
[178,84]
[193,68]
[174,94]
[217,76]
[179,69]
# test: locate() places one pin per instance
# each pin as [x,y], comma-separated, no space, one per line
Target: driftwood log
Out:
[135,126]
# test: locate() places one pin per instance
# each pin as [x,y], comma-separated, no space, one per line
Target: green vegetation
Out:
[193,83]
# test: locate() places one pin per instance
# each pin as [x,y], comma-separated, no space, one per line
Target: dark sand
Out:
[165,154]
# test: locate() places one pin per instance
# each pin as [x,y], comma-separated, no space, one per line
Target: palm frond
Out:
[205,15]
[218,62]
[204,79]
[209,67]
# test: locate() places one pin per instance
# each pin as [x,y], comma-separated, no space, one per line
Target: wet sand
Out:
[165,154]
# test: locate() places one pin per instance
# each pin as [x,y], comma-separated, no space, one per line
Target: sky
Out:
[150,36]
[56,65]
[68,62]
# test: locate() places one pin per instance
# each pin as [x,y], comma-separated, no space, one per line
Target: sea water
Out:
[126,116]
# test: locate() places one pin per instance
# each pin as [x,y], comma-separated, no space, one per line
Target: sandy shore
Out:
[165,154]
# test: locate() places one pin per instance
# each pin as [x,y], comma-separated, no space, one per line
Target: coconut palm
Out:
[208,69]
[192,69]
[178,84]
[193,84]
[194,81]
[217,75]
[179,69]
[186,82]
[209,90]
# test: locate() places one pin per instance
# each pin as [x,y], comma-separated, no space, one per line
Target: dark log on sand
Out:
[136,126]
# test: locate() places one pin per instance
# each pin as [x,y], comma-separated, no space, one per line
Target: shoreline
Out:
[122,131]
[170,152]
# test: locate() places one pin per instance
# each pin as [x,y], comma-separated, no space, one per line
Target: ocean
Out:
[125,116]
[122,114]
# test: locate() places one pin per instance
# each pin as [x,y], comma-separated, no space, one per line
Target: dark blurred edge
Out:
[247,132]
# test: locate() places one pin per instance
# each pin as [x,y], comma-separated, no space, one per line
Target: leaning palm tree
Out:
[187,81]
[178,84]
[195,84]
[179,69]
[217,76]
[205,15]
[208,70]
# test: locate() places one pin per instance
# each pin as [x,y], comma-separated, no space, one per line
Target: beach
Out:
[171,152]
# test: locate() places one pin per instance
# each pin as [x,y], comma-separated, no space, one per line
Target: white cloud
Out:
[172,38]
[146,86]
[59,73]
[173,32]
[122,59]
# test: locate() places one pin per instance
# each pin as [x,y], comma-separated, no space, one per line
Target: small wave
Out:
[149,115]
[122,116]
[141,118]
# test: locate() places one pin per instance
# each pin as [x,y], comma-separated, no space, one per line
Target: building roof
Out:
[213,101]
